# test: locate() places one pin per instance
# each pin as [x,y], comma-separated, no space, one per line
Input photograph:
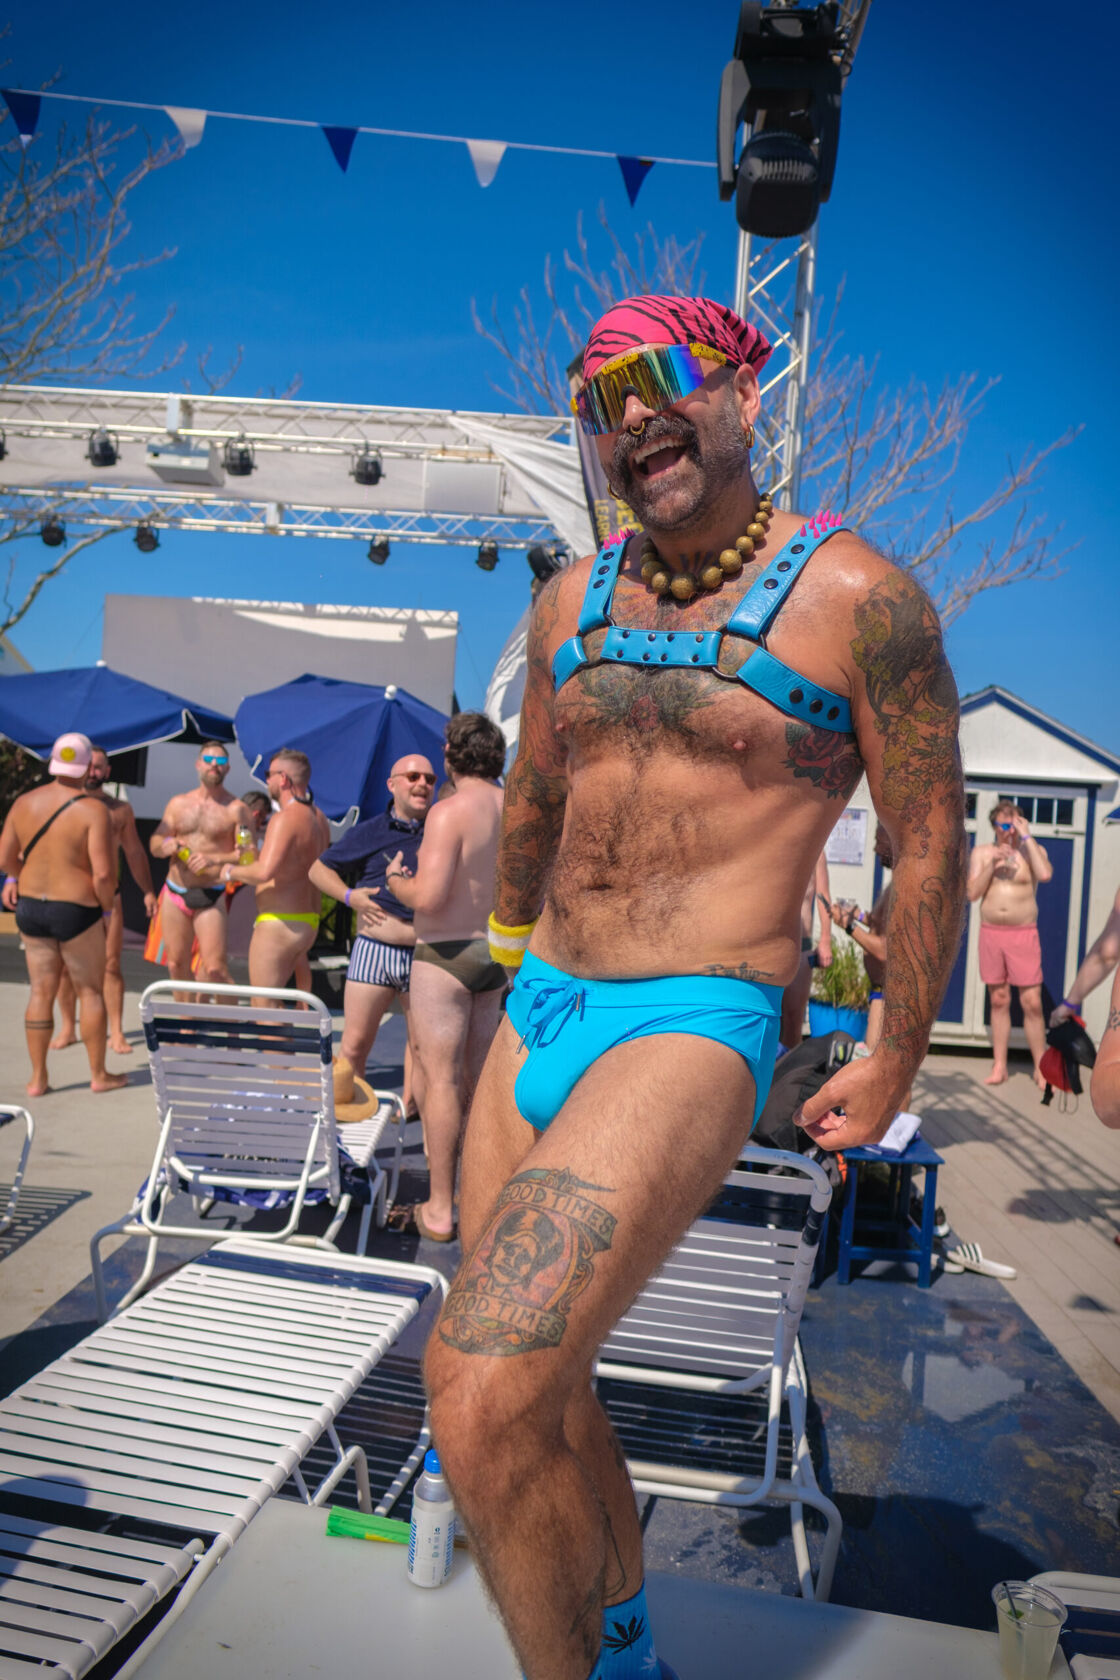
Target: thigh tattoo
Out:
[534,1258]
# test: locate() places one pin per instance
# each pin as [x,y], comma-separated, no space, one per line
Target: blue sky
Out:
[970,224]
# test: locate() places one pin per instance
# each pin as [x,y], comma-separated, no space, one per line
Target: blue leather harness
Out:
[761,672]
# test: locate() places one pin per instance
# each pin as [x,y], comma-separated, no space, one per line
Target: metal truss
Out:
[774,288]
[110,508]
[269,424]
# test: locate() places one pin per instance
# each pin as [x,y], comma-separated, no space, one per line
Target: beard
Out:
[674,501]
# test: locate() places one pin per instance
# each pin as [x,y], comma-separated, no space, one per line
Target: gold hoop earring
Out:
[748,436]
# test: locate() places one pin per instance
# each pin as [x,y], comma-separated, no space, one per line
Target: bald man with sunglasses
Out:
[701,700]
[352,871]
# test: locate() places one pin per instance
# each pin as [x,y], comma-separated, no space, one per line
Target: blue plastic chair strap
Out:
[661,647]
[759,606]
[795,694]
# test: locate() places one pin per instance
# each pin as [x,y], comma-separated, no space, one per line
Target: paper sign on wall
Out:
[848,841]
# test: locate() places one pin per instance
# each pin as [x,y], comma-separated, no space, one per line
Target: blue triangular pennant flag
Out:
[25,111]
[634,172]
[341,143]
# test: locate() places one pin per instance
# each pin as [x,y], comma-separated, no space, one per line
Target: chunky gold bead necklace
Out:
[657,576]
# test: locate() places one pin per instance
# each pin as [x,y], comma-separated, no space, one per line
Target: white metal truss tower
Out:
[774,288]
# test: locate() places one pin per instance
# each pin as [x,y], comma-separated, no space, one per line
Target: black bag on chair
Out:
[798,1075]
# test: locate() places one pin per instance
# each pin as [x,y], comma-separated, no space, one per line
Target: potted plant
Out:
[840,992]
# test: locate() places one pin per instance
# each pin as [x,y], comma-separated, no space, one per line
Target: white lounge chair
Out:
[8,1116]
[720,1320]
[179,1419]
[245,1100]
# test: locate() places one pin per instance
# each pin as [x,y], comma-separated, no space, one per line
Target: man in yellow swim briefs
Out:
[287,904]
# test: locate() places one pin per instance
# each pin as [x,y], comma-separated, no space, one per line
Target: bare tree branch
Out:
[13,614]
[886,459]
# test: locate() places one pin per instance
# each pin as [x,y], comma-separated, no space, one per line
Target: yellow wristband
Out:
[509,944]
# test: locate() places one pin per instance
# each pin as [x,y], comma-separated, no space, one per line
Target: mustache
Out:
[663,428]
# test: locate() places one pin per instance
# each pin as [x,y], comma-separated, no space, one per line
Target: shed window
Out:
[970,805]
[1064,815]
[1044,810]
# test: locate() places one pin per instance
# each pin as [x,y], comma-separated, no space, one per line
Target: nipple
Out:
[738,746]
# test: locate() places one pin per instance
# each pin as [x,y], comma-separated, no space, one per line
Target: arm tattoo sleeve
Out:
[915,762]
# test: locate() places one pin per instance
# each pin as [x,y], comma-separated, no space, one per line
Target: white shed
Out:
[1069,789]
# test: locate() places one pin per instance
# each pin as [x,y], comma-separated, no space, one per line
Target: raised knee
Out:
[485,1419]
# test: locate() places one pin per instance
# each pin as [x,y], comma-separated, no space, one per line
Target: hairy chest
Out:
[705,716]
[206,821]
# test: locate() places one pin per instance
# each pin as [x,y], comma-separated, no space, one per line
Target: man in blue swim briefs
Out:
[701,699]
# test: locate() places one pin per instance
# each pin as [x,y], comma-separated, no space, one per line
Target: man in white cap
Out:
[58,844]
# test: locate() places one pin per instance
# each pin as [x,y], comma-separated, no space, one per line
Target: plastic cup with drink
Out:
[1029,1620]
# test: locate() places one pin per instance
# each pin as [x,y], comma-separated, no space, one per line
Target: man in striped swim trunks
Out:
[353,872]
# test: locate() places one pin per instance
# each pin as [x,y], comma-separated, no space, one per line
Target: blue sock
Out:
[627,1651]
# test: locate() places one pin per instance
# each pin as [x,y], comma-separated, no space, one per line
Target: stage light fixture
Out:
[146,538]
[53,532]
[784,82]
[487,555]
[545,559]
[238,458]
[366,468]
[379,550]
[103,449]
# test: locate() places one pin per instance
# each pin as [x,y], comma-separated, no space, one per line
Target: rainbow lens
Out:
[657,374]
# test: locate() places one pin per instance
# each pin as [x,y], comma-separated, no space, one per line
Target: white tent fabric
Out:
[547,472]
[507,684]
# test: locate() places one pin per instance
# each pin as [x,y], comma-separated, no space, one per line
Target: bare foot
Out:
[34,1090]
[64,1039]
[1040,1079]
[120,1047]
[998,1076]
[108,1082]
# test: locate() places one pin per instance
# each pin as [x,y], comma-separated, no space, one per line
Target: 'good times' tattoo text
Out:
[535,1257]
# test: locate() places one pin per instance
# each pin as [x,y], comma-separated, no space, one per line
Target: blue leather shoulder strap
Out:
[764,599]
[594,613]
[794,694]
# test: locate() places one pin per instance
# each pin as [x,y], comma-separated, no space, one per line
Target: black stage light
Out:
[545,560]
[146,538]
[366,467]
[238,458]
[785,82]
[487,556]
[379,550]
[103,448]
[53,532]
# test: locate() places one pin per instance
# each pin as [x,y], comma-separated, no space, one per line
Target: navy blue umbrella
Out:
[117,712]
[352,732]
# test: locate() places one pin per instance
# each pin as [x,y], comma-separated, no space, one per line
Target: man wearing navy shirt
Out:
[353,872]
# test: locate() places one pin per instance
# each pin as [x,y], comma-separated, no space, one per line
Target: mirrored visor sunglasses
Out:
[657,374]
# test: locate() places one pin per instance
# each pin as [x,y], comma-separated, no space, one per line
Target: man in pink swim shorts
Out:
[1004,877]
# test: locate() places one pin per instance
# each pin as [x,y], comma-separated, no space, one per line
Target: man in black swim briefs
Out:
[58,846]
[701,698]
[198,832]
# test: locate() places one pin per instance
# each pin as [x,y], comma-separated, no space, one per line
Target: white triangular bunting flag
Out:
[486,155]
[189,122]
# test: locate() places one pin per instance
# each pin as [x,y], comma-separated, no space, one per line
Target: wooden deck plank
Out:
[1040,1190]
